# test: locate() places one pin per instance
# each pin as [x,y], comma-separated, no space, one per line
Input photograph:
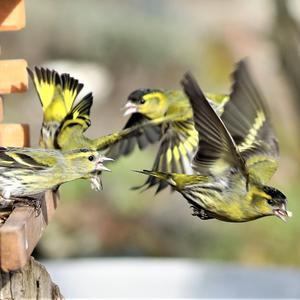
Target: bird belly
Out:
[214,199]
[19,183]
[11,187]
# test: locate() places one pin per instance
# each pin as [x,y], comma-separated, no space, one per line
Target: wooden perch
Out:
[21,277]
[1,109]
[12,15]
[13,76]
[21,232]
[14,135]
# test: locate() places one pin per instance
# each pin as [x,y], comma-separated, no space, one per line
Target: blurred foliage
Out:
[151,44]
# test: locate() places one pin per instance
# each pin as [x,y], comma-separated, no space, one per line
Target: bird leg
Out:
[4,202]
[34,201]
[5,199]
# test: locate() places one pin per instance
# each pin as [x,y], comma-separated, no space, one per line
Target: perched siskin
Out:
[27,172]
[175,130]
[236,156]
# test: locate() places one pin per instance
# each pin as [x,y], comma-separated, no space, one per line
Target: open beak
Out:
[129,108]
[282,213]
[100,166]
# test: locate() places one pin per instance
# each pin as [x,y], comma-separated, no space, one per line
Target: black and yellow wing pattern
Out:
[217,153]
[24,158]
[176,149]
[55,89]
[247,119]
[70,132]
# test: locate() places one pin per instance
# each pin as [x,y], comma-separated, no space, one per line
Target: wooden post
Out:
[30,282]
[21,277]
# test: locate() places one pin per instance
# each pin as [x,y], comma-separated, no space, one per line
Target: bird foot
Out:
[36,203]
[5,203]
[201,213]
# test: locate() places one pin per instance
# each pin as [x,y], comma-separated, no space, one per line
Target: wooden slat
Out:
[22,231]
[1,109]
[14,135]
[13,76]
[12,14]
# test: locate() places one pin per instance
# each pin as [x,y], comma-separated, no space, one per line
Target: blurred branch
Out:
[286,35]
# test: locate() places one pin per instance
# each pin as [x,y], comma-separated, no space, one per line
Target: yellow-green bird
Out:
[27,172]
[57,94]
[237,155]
[64,124]
[175,131]
[156,116]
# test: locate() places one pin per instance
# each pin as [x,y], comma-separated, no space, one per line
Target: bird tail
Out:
[50,85]
[167,177]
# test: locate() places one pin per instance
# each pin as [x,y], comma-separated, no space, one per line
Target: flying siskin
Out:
[175,131]
[237,155]
[27,172]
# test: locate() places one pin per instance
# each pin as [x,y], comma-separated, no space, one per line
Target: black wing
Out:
[145,136]
[247,119]
[217,152]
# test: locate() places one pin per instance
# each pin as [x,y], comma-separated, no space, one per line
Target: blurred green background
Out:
[115,47]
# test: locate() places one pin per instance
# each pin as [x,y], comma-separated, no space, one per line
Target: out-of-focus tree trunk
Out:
[286,35]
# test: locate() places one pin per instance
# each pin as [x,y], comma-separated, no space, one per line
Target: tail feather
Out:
[166,177]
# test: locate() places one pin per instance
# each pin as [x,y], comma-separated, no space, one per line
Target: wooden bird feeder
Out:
[20,228]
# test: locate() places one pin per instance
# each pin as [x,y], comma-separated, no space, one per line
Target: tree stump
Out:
[30,282]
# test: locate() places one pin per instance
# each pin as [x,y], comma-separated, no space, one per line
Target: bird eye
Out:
[271,202]
[91,157]
[142,101]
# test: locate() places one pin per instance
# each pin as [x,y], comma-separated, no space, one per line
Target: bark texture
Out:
[30,282]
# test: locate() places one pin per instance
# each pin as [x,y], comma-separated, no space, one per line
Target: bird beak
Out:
[282,213]
[104,158]
[130,108]
[100,166]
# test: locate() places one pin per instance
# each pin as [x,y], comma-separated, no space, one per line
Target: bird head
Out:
[152,103]
[87,161]
[270,201]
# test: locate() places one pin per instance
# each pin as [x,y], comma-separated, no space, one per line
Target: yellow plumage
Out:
[236,156]
[57,94]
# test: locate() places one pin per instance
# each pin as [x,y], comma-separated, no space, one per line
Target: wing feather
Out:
[216,147]
[248,120]
[76,122]
[177,146]
[23,159]
[142,136]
